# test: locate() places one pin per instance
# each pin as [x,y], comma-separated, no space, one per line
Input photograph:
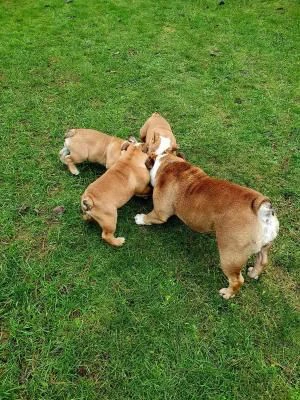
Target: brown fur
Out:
[208,204]
[153,128]
[102,198]
[90,145]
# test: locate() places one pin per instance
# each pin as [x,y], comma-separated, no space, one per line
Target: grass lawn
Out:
[82,320]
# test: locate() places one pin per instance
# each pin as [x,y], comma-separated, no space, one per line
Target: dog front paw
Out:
[74,171]
[226,293]
[252,273]
[119,241]
[139,219]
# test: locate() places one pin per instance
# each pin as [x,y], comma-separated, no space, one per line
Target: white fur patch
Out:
[165,143]
[63,153]
[154,170]
[139,219]
[269,223]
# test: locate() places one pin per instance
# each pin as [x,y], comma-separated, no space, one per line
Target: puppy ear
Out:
[155,137]
[150,162]
[145,148]
[180,155]
[125,145]
[132,139]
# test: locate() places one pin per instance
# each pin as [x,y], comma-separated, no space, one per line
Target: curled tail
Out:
[70,133]
[258,201]
[87,204]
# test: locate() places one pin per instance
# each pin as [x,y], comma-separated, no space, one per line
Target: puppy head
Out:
[136,151]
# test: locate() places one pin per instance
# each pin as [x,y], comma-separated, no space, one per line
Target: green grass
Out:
[81,320]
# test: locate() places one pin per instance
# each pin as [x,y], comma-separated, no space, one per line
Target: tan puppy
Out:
[90,145]
[157,134]
[243,219]
[102,198]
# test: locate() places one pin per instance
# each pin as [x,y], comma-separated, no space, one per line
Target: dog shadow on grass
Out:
[173,246]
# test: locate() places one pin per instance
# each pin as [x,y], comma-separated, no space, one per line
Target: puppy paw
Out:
[139,219]
[75,172]
[226,293]
[252,273]
[119,241]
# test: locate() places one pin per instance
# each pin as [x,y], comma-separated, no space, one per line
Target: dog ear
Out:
[180,155]
[125,145]
[150,162]
[145,148]
[155,137]
[132,139]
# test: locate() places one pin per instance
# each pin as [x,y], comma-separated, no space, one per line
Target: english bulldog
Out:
[129,176]
[157,134]
[243,220]
[90,145]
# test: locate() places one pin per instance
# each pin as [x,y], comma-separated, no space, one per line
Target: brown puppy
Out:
[157,134]
[243,219]
[90,145]
[102,198]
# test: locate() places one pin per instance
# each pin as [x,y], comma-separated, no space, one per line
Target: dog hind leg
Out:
[235,279]
[108,225]
[70,164]
[260,263]
[232,263]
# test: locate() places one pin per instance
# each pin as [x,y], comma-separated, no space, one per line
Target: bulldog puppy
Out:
[157,134]
[242,219]
[127,177]
[89,145]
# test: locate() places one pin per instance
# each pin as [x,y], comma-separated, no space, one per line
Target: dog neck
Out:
[155,168]
[162,159]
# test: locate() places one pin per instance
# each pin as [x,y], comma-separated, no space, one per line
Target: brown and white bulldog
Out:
[129,176]
[242,219]
[90,145]
[157,134]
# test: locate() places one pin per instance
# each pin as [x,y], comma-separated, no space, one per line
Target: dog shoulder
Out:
[173,171]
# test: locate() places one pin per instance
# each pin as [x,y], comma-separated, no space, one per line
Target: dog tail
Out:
[87,204]
[70,133]
[257,203]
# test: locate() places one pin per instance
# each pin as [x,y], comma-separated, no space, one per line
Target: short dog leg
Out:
[108,230]
[70,164]
[235,282]
[152,218]
[231,264]
[111,239]
[260,263]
